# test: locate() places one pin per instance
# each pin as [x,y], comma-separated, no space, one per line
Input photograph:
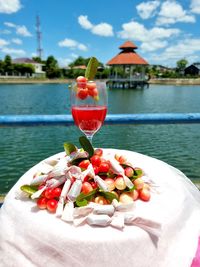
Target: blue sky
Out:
[165,31]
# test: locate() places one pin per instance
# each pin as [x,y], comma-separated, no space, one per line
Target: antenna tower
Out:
[39,36]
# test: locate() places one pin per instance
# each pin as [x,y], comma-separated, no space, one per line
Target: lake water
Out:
[23,147]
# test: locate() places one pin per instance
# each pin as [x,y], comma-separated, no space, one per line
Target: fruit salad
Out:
[86,175]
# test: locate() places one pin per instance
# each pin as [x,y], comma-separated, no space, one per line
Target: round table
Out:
[31,237]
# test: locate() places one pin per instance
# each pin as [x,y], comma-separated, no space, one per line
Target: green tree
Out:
[181,64]
[52,69]
[8,66]
[37,59]
[79,61]
[1,66]
[23,69]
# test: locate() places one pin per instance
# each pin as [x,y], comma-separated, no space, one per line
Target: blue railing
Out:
[150,118]
[63,120]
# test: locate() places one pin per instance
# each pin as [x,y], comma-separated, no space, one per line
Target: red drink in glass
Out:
[89,119]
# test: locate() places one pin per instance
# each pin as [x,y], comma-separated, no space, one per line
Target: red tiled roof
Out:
[128,44]
[24,60]
[127,58]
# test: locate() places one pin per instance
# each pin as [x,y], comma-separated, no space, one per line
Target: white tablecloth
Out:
[31,237]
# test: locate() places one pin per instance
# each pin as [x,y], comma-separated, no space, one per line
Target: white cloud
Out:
[23,31]
[13,51]
[17,41]
[10,24]
[84,22]
[3,43]
[152,39]
[20,29]
[152,46]
[184,48]
[195,6]
[9,6]
[188,49]
[137,31]
[172,12]
[101,29]
[72,44]
[147,10]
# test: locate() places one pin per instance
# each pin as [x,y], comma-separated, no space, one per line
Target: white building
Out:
[38,66]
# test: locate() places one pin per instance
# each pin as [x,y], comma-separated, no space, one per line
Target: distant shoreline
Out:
[179,81]
[34,81]
[164,81]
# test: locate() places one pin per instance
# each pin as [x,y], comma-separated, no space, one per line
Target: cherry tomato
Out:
[104,167]
[82,93]
[42,203]
[86,187]
[84,164]
[52,205]
[95,160]
[57,191]
[48,193]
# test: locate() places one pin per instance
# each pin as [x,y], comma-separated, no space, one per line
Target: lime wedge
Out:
[91,69]
[69,148]
[28,189]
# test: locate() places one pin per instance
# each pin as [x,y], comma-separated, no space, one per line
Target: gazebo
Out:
[127,67]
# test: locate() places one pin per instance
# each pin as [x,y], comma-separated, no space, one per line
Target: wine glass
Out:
[89,106]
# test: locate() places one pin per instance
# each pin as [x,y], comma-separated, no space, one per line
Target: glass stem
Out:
[89,137]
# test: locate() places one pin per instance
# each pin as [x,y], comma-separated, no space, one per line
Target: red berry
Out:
[81,79]
[57,192]
[82,93]
[48,193]
[98,152]
[95,160]
[93,93]
[104,167]
[94,185]
[144,194]
[91,86]
[86,187]
[42,203]
[96,169]
[135,194]
[81,82]
[52,205]
[129,172]
[84,164]
[86,178]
